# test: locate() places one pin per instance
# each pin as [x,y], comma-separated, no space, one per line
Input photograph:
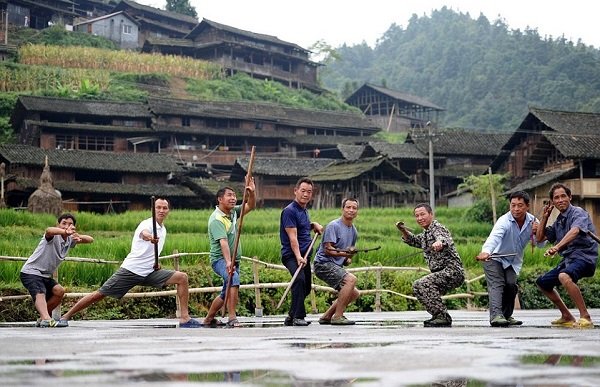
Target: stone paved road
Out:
[383,349]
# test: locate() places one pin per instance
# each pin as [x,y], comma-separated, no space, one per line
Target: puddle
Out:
[338,345]
[253,377]
[562,360]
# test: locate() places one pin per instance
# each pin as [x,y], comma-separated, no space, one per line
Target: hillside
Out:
[55,62]
[482,73]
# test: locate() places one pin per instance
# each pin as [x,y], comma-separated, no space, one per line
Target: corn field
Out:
[17,78]
[118,61]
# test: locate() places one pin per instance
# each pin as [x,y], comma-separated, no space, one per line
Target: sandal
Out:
[584,323]
[233,323]
[561,322]
[191,323]
[214,323]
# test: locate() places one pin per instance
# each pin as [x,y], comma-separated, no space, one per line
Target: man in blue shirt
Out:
[335,252]
[294,232]
[570,235]
[502,257]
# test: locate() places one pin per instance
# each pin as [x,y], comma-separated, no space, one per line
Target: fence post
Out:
[469,304]
[313,296]
[56,311]
[258,310]
[176,267]
[378,290]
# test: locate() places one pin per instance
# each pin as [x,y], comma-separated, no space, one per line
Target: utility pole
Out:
[431,173]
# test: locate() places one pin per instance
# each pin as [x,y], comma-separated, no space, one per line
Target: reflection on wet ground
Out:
[314,345]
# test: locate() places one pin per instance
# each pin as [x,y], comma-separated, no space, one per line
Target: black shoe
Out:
[441,320]
[300,322]
[288,322]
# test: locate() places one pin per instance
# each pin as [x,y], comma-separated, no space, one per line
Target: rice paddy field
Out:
[20,233]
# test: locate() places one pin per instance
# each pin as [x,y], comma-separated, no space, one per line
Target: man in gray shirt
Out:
[36,273]
[335,252]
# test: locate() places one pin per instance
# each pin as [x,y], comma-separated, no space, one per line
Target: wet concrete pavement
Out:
[383,349]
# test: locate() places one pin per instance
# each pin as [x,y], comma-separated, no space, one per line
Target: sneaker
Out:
[513,321]
[289,321]
[442,320]
[324,321]
[62,323]
[48,323]
[342,320]
[37,323]
[499,321]
[300,322]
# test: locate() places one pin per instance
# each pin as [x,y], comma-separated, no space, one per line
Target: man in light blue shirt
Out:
[502,257]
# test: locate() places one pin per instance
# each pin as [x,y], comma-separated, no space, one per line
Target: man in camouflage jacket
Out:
[447,271]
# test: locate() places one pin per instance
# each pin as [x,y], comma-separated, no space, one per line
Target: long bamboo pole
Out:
[239,226]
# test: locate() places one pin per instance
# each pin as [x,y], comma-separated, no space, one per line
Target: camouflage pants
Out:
[430,289]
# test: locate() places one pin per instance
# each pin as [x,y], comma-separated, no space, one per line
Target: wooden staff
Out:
[154,234]
[287,290]
[240,222]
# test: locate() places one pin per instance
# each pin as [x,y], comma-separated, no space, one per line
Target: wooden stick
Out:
[287,290]
[154,233]
[236,243]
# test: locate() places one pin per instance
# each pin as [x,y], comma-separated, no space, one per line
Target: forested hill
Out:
[484,74]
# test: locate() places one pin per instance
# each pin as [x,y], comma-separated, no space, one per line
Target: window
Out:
[64,142]
[96,143]
[185,121]
[127,29]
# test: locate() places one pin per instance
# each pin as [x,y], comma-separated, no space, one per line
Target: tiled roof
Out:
[398,187]
[351,152]
[349,169]
[87,160]
[398,151]
[96,108]
[155,11]
[397,95]
[252,35]
[578,146]
[283,167]
[100,128]
[461,142]
[262,112]
[459,171]
[541,179]
[168,190]
[568,122]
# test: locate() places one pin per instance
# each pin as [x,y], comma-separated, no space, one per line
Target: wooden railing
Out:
[257,285]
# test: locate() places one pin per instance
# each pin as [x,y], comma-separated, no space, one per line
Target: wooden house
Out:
[88,9]
[555,146]
[463,152]
[94,181]
[156,23]
[118,27]
[215,134]
[60,123]
[259,55]
[392,110]
[39,14]
[276,177]
[375,182]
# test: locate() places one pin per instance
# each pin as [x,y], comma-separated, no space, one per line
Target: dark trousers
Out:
[502,288]
[301,287]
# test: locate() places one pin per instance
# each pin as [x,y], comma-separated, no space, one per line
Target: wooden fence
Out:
[257,285]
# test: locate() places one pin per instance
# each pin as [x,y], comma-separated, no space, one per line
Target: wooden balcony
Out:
[588,188]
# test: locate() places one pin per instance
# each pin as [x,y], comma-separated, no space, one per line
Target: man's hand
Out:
[551,251]
[437,246]
[548,210]
[400,226]
[348,261]
[316,227]
[483,257]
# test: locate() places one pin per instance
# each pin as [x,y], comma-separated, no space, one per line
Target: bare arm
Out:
[226,254]
[564,242]
[251,199]
[540,234]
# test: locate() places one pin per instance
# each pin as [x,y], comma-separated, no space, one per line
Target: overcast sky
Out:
[352,22]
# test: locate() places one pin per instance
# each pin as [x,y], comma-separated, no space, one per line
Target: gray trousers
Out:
[502,288]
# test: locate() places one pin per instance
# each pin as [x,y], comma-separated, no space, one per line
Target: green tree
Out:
[483,188]
[181,6]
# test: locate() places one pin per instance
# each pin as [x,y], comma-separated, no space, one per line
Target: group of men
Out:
[502,257]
